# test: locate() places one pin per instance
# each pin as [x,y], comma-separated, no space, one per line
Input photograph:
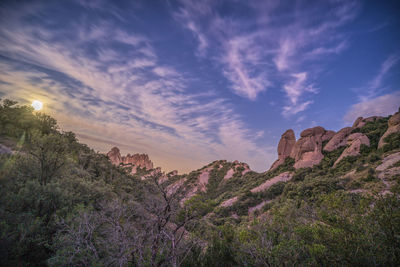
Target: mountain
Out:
[331,198]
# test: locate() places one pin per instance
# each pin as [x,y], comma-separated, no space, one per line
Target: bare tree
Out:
[167,226]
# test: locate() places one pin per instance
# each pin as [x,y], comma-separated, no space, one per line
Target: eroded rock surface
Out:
[135,160]
[285,146]
[140,160]
[283,177]
[354,141]
[258,207]
[307,151]
[339,139]
[115,156]
[393,127]
[389,161]
[229,202]
[237,166]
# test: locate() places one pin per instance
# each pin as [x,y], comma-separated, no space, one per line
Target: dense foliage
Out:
[61,203]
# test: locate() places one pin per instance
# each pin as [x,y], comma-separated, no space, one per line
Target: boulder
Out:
[339,139]
[307,151]
[354,141]
[115,156]
[393,127]
[285,146]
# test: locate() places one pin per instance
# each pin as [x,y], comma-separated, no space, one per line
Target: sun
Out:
[37,105]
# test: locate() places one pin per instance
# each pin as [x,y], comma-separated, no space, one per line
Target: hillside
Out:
[331,198]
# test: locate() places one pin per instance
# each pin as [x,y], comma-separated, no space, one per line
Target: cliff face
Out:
[135,160]
[285,147]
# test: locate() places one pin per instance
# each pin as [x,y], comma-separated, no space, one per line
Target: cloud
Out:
[380,106]
[241,59]
[285,51]
[111,82]
[370,103]
[271,51]
[376,85]
[294,90]
[294,109]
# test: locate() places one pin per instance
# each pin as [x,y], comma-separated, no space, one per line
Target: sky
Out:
[189,82]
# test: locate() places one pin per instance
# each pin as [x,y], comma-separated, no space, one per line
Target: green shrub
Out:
[392,142]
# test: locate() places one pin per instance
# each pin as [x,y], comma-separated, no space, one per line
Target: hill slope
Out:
[331,198]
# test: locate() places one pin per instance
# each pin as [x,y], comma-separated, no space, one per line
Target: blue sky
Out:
[189,82]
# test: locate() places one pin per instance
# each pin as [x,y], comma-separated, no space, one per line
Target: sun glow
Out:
[37,105]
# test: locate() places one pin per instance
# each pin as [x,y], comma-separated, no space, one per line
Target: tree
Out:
[50,151]
[169,217]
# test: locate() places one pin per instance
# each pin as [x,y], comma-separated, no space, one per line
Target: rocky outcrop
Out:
[251,210]
[115,156]
[393,127]
[354,141]
[360,121]
[328,135]
[283,177]
[134,161]
[307,151]
[285,146]
[229,202]
[389,161]
[238,167]
[140,160]
[339,139]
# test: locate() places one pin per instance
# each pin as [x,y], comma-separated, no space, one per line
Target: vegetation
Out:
[63,204]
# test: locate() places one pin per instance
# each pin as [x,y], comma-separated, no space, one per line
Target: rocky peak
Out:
[135,160]
[307,151]
[285,147]
[115,156]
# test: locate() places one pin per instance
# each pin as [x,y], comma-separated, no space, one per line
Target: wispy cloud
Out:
[371,98]
[241,59]
[379,106]
[294,90]
[276,49]
[112,82]
[376,85]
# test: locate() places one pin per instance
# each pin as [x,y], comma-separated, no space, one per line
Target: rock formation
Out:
[141,160]
[307,151]
[354,141]
[172,173]
[283,177]
[393,127]
[285,147]
[115,156]
[135,160]
[339,139]
[360,121]
[237,167]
